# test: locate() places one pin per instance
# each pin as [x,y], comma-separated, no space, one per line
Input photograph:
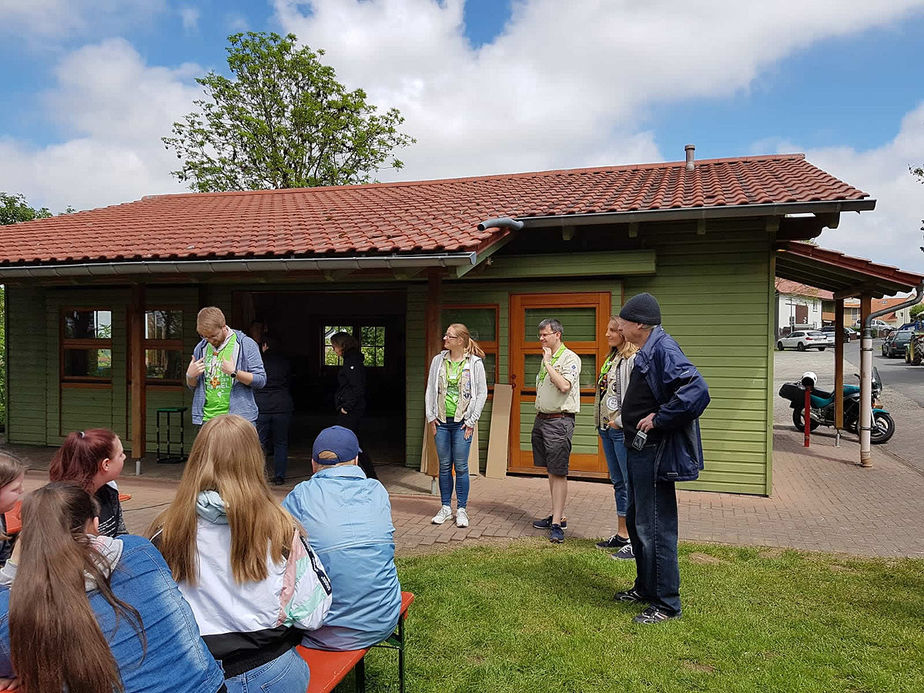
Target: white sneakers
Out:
[461,518]
[445,513]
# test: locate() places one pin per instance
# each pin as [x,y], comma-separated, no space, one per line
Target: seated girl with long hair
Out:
[242,561]
[93,614]
[93,459]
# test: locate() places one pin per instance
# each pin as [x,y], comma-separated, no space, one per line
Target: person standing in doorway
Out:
[274,400]
[557,401]
[224,370]
[350,398]
[610,393]
[660,413]
[456,392]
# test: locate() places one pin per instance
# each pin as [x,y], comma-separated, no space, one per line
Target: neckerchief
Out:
[542,371]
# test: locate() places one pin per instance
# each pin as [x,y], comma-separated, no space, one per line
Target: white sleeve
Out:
[307,602]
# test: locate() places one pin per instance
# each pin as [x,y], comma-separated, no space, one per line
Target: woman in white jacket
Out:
[242,561]
[456,392]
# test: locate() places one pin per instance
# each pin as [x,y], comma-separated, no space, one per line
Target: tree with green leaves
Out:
[282,121]
[14,208]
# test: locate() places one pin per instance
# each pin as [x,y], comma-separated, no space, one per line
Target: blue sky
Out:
[89,86]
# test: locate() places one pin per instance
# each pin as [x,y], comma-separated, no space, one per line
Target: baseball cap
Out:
[338,440]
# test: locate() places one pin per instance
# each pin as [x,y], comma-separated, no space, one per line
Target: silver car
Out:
[804,339]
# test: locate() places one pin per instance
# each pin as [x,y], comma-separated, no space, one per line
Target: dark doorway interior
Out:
[303,321]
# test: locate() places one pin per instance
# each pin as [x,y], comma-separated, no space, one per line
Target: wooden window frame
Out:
[66,343]
[355,327]
[165,344]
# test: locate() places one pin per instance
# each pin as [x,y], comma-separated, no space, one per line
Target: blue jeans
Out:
[452,449]
[652,522]
[274,434]
[288,673]
[615,450]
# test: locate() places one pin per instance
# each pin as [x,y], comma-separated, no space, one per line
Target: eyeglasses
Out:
[450,336]
[545,334]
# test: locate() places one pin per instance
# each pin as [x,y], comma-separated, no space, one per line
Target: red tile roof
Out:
[786,286]
[387,218]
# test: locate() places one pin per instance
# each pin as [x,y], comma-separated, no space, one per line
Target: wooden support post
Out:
[138,372]
[839,366]
[434,343]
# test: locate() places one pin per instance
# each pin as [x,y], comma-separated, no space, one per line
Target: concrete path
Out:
[821,501]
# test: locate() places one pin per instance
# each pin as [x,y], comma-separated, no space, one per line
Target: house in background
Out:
[798,306]
[895,318]
[101,305]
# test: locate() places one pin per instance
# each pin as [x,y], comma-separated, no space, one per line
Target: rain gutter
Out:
[155,267]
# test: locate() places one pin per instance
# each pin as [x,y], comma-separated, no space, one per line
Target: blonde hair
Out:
[470,345]
[226,457]
[210,317]
[625,350]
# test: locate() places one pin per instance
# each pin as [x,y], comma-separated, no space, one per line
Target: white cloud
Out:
[115,109]
[190,18]
[567,83]
[34,19]
[236,22]
[891,234]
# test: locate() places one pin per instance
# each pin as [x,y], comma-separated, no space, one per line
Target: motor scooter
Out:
[822,408]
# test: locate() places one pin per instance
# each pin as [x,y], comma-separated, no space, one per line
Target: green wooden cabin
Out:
[101,305]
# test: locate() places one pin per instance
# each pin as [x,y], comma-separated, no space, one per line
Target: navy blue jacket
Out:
[683,396]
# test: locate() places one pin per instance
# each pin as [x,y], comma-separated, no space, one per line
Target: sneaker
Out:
[556,534]
[461,518]
[630,595]
[546,523]
[653,615]
[614,542]
[624,554]
[444,514]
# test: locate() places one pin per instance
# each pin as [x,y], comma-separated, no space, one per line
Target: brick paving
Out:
[821,501]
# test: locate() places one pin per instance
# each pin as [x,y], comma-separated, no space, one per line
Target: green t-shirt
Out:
[217,383]
[453,376]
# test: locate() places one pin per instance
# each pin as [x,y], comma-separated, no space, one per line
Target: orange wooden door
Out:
[584,317]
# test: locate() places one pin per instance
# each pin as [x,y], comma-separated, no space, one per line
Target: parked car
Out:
[896,344]
[830,330]
[803,340]
[876,324]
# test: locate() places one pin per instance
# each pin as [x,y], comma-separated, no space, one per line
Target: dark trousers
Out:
[273,430]
[652,522]
[353,423]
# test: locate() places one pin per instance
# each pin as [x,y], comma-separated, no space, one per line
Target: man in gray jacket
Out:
[224,370]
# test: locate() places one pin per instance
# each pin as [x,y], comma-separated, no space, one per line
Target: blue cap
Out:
[338,440]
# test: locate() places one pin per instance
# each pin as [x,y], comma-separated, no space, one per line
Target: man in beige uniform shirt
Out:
[557,401]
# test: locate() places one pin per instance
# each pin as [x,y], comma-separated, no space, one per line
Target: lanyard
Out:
[605,368]
[542,371]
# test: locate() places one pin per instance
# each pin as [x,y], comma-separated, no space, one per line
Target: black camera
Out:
[639,441]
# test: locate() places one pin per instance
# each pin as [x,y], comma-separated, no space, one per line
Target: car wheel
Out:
[821,348]
[801,346]
[779,346]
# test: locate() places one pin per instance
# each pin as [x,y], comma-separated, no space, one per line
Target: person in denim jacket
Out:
[665,398]
[122,624]
[225,369]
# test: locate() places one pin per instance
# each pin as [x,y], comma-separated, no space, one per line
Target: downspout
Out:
[501,223]
[866,374]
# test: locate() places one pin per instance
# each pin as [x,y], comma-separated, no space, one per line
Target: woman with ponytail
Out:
[93,614]
[456,392]
[93,459]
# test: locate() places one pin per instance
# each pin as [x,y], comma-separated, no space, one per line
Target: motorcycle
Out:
[822,408]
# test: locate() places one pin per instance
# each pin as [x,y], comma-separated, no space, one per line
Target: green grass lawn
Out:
[536,617]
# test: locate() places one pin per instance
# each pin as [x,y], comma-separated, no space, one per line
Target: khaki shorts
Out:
[551,439]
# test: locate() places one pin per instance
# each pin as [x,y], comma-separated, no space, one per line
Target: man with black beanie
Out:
[660,412]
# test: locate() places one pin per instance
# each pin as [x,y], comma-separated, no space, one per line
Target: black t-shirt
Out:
[111,523]
[275,397]
[638,404]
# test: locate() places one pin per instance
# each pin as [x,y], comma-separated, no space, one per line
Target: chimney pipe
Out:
[689,149]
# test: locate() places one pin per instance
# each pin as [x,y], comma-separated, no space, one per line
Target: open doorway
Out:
[303,321]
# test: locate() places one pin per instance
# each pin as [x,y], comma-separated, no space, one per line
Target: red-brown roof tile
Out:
[385,218]
[787,286]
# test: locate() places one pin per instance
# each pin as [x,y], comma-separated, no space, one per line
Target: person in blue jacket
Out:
[225,369]
[82,611]
[660,412]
